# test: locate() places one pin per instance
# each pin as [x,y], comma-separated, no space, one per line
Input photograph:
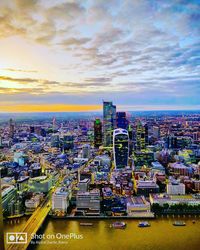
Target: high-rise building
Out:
[121,120]
[140,136]
[97,133]
[156,132]
[86,151]
[109,122]
[1,142]
[67,141]
[130,132]
[32,129]
[120,148]
[11,128]
[130,135]
[55,140]
[146,134]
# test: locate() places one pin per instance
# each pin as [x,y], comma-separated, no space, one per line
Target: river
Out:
[162,235]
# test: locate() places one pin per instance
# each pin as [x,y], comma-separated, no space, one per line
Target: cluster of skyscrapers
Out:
[114,133]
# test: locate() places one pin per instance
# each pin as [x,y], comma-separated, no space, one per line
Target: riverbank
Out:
[103,217]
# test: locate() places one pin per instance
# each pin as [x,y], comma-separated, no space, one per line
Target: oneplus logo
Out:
[16,238]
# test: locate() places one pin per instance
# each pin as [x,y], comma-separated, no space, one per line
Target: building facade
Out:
[120,148]
[97,133]
[109,122]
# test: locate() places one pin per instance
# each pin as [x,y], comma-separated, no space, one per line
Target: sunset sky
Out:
[63,55]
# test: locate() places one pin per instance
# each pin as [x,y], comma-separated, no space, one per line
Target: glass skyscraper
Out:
[109,122]
[140,136]
[97,133]
[120,148]
[122,121]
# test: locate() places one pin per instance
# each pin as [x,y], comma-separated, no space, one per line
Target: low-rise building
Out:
[175,187]
[162,199]
[60,199]
[88,200]
[137,205]
[196,185]
[32,203]
[146,187]
[180,169]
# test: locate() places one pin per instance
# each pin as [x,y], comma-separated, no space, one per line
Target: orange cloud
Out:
[49,108]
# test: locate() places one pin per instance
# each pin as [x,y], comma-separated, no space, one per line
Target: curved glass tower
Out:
[120,148]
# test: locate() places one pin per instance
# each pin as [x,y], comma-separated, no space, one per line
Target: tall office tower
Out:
[120,148]
[171,142]
[32,129]
[121,120]
[55,140]
[130,132]
[68,141]
[130,135]
[156,132]
[109,122]
[140,136]
[1,142]
[146,130]
[97,133]
[11,128]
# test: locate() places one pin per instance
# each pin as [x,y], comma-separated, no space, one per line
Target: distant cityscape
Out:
[116,165]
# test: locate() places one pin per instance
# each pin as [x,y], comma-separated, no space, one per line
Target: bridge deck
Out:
[33,224]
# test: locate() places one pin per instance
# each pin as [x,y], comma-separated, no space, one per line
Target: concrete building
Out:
[157,167]
[20,158]
[32,203]
[146,187]
[60,199]
[162,199]
[196,185]
[83,185]
[88,200]
[22,183]
[175,188]
[40,184]
[137,205]
[9,193]
[180,169]
[86,151]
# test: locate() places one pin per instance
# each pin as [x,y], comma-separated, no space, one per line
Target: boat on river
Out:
[119,225]
[179,223]
[86,224]
[144,224]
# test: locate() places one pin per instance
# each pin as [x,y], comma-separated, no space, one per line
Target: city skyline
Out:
[80,175]
[70,55]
